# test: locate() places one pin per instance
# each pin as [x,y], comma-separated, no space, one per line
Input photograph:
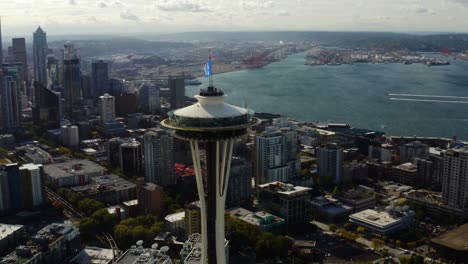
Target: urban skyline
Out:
[124,150]
[191,15]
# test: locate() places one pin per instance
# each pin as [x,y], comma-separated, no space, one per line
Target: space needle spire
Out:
[213,125]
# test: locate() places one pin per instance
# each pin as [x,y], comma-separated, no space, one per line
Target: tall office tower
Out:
[330,162]
[53,80]
[10,97]
[72,85]
[240,183]
[19,55]
[159,157]
[14,185]
[455,178]
[176,91]
[70,136]
[413,150]
[107,108]
[149,98]
[46,111]
[40,51]
[216,125]
[5,203]
[99,78]
[1,43]
[270,157]
[87,89]
[33,185]
[130,158]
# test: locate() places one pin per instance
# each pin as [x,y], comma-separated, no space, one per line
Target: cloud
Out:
[101,4]
[117,3]
[73,2]
[418,10]
[128,15]
[463,2]
[283,13]
[182,6]
[256,4]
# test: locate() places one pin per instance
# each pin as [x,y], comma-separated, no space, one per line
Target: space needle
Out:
[213,125]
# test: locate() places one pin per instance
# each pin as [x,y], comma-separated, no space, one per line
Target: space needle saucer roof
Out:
[210,114]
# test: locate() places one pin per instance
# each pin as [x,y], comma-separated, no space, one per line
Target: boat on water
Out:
[193,82]
[438,63]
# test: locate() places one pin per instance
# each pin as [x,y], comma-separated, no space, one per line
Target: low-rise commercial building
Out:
[191,251]
[406,173]
[140,255]
[10,237]
[330,210]
[94,255]
[435,207]
[452,245]
[73,172]
[262,220]
[54,244]
[109,189]
[287,201]
[360,198]
[379,222]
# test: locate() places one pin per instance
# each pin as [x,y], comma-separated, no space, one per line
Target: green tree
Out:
[89,227]
[106,220]
[123,236]
[361,229]
[89,206]
[377,243]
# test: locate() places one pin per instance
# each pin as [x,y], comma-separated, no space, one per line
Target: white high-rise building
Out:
[32,174]
[330,162]
[455,178]
[107,108]
[159,157]
[275,155]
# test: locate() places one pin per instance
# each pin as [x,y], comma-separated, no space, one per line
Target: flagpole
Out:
[211,73]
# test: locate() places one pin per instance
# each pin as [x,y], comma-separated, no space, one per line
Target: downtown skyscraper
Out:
[1,46]
[19,56]
[40,51]
[99,78]
[72,84]
[159,157]
[10,97]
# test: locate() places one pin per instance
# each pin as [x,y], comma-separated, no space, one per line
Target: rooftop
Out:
[94,255]
[30,166]
[78,167]
[259,218]
[6,230]
[375,218]
[285,189]
[106,182]
[140,255]
[456,239]
[409,167]
[175,217]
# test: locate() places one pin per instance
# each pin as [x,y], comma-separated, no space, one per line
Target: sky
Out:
[21,17]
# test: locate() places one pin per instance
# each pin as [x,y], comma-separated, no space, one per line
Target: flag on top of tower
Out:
[207,68]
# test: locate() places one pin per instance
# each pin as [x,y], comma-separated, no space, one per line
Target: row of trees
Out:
[265,244]
[130,230]
[100,221]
